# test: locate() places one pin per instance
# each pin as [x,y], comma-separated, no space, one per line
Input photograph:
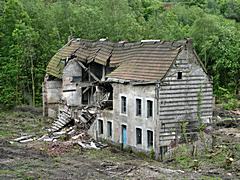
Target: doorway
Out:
[124,134]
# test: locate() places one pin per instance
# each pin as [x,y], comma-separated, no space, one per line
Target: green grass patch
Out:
[106,154]
[7,171]
[14,124]
[183,157]
[4,133]
[209,178]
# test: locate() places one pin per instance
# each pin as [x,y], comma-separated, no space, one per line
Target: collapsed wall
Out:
[78,97]
[52,92]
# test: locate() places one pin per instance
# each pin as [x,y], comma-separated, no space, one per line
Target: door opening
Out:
[124,135]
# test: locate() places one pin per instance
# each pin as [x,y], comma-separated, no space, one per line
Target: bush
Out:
[152,153]
[183,157]
[228,99]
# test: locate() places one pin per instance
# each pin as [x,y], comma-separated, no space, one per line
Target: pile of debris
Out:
[70,126]
[226,118]
[69,135]
[82,118]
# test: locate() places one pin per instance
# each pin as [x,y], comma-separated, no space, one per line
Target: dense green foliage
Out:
[32,31]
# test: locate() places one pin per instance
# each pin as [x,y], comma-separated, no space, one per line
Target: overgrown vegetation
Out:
[217,157]
[32,31]
[18,122]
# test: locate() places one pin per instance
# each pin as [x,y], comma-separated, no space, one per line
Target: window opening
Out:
[179,75]
[123,104]
[109,129]
[138,136]
[100,126]
[149,138]
[138,107]
[149,108]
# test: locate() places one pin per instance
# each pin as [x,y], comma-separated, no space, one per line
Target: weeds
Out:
[183,127]
[228,99]
[152,153]
[202,125]
[183,157]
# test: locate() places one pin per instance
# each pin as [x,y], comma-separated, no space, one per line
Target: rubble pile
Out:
[64,117]
[225,118]
[70,127]
[68,135]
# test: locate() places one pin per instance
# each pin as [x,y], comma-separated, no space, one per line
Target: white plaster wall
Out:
[130,119]
[51,96]
[72,94]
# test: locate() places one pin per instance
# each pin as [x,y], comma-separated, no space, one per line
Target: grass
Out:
[183,158]
[215,158]
[7,171]
[19,173]
[104,155]
[210,178]
[13,124]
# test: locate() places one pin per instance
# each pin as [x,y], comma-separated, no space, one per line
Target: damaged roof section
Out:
[148,62]
[145,60]
[55,66]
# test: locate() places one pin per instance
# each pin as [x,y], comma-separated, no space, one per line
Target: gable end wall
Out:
[179,98]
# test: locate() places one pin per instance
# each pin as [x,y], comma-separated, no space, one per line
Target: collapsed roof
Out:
[145,60]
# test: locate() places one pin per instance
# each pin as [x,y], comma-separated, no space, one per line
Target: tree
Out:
[17,54]
[217,41]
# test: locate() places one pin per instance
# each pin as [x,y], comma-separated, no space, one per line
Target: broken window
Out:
[85,95]
[123,105]
[138,136]
[138,107]
[149,138]
[85,75]
[100,126]
[109,129]
[179,75]
[76,79]
[149,108]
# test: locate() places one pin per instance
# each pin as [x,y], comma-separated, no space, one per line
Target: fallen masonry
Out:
[71,130]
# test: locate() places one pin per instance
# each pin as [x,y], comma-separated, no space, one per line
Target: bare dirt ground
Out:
[30,162]
[59,160]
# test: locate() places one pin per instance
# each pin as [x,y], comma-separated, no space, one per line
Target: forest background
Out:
[31,32]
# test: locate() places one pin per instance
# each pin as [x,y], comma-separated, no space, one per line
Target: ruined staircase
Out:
[64,117]
[83,121]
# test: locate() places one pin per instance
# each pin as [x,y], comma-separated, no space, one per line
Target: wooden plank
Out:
[180,91]
[57,125]
[191,99]
[178,113]
[87,70]
[85,90]
[186,95]
[185,107]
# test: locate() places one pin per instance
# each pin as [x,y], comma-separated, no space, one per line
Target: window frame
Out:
[100,129]
[141,136]
[120,104]
[108,122]
[136,107]
[149,146]
[151,100]
[179,75]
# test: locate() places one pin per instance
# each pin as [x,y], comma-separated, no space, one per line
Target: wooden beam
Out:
[89,72]
[85,90]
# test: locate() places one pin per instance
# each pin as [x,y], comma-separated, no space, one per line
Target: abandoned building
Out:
[136,94]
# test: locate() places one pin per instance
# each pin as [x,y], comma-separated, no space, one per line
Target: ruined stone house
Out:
[136,94]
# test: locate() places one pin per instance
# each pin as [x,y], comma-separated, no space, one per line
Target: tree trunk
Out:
[33,83]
